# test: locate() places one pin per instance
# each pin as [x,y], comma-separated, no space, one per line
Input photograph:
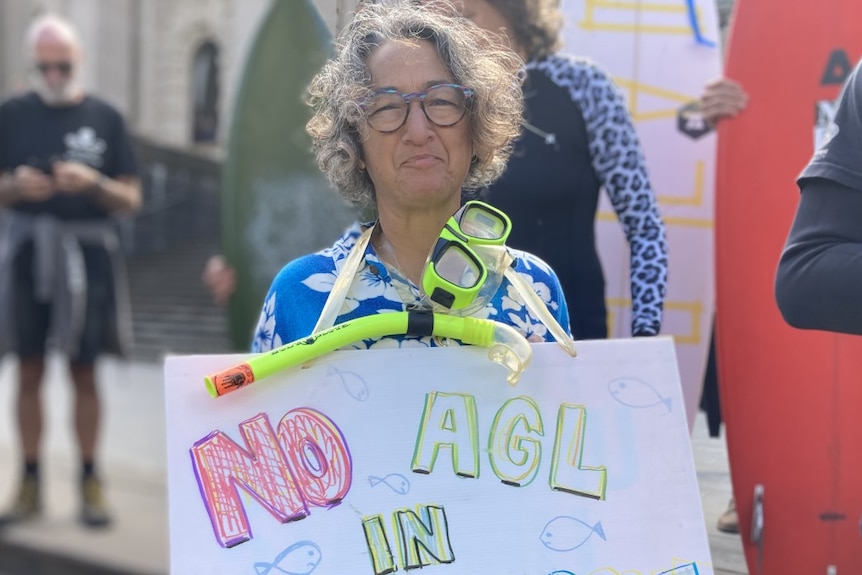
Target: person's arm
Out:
[293,302]
[21,183]
[819,280]
[8,192]
[24,184]
[819,276]
[119,189]
[621,167]
[722,99]
[121,194]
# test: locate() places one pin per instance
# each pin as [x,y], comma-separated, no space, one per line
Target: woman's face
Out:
[420,165]
[486,16]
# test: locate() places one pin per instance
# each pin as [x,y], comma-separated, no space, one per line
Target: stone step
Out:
[176,308]
[156,334]
[164,329]
[172,311]
[168,337]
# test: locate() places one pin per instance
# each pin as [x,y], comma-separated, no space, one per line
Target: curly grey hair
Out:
[338,126]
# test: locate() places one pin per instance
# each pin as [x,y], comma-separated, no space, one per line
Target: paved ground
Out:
[134,460]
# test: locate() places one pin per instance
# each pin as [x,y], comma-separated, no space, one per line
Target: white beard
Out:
[64,95]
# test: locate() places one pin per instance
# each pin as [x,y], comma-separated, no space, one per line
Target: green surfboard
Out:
[276,205]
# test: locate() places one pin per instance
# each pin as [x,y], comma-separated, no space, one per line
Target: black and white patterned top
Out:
[579,137]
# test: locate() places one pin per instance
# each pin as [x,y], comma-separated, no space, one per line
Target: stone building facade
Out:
[171,66]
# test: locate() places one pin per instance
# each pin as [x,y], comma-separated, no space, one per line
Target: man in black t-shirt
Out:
[819,279]
[66,165]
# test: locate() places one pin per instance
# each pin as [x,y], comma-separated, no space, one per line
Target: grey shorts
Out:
[33,317]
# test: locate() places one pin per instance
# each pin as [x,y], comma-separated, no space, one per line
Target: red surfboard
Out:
[791,399]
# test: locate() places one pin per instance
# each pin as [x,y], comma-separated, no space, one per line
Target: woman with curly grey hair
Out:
[416,109]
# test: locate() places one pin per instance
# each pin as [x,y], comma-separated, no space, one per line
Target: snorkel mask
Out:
[466,265]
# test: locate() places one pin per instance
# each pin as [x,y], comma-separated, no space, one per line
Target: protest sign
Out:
[386,460]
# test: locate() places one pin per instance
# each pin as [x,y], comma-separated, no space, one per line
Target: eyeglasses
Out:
[64,68]
[454,273]
[444,105]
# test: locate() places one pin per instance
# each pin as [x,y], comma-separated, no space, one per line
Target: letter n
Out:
[222,467]
[423,536]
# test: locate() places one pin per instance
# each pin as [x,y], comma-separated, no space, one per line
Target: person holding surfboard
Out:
[819,278]
[416,110]
[577,138]
[722,99]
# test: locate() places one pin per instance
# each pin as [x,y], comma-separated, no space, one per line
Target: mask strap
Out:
[540,310]
[343,280]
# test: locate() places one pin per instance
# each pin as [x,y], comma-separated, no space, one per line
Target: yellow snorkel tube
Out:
[507,347]
[464,270]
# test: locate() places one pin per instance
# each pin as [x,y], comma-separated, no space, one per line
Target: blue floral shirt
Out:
[298,294]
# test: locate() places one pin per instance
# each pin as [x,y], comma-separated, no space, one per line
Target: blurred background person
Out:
[66,165]
[722,99]
[578,137]
[819,276]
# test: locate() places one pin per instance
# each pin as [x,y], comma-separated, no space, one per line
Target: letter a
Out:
[449,421]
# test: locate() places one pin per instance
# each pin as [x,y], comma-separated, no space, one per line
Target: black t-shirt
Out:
[91,132]
[839,157]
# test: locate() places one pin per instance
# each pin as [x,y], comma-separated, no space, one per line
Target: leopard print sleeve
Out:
[619,163]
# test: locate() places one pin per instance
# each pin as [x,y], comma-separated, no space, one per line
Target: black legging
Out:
[819,279]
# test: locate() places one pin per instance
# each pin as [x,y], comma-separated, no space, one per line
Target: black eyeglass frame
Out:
[64,68]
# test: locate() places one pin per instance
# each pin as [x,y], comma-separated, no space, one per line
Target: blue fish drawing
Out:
[561,573]
[394,481]
[566,533]
[637,394]
[687,569]
[301,558]
[353,383]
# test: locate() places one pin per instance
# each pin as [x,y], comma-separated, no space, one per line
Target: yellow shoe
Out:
[728,522]
[94,513]
[27,504]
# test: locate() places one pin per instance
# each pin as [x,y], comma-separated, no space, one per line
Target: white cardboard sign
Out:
[383,461]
